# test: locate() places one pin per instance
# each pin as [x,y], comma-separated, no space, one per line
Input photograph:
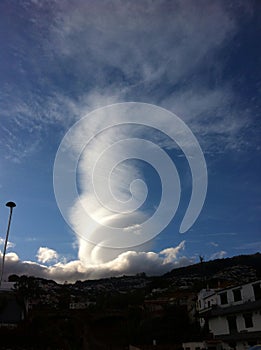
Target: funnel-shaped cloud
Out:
[101,149]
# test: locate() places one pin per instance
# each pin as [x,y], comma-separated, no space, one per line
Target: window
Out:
[223,298]
[232,324]
[209,303]
[248,320]
[257,291]
[237,294]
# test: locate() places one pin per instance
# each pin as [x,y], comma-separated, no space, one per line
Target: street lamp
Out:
[10,205]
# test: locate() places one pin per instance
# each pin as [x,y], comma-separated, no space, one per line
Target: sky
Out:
[68,68]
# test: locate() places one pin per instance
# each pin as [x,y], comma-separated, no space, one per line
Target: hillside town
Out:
[189,308]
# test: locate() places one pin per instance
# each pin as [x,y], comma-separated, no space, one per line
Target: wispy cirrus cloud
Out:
[162,63]
[217,234]
[214,244]
[251,245]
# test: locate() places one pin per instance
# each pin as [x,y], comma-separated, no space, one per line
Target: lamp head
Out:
[10,204]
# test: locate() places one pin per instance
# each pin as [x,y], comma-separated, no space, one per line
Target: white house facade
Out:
[232,315]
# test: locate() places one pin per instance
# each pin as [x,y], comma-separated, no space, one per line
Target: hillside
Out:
[127,309]
[240,269]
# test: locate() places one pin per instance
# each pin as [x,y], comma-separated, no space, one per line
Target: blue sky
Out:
[60,60]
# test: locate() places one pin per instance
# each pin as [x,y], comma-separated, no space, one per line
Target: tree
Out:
[13,278]
[27,287]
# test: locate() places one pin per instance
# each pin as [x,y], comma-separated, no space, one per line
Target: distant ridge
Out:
[212,268]
[241,269]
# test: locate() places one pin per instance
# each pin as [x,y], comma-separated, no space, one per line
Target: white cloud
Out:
[45,255]
[172,253]
[218,255]
[157,44]
[166,47]
[13,257]
[109,204]
[217,234]
[127,263]
[30,239]
[9,244]
[252,245]
[118,51]
[134,229]
[112,182]
[214,244]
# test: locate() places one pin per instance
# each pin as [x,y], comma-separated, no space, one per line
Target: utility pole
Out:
[10,205]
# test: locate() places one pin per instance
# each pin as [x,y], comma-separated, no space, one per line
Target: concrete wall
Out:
[193,345]
[218,325]
[256,317]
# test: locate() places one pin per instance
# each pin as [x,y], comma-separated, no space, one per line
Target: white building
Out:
[80,305]
[232,315]
[203,345]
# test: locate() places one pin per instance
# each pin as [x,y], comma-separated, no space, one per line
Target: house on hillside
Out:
[81,305]
[232,315]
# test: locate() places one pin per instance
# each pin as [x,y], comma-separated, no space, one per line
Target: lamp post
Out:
[10,205]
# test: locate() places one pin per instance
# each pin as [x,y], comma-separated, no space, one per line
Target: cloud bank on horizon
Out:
[127,263]
[61,60]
